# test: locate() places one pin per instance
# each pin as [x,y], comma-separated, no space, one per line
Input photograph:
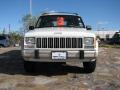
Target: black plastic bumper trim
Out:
[36,52]
[81,56]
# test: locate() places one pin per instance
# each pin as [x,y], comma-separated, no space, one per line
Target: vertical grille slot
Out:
[68,42]
[79,42]
[62,42]
[50,42]
[56,42]
[74,42]
[44,42]
[39,42]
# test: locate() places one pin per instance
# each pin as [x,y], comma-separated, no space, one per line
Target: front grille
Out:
[56,42]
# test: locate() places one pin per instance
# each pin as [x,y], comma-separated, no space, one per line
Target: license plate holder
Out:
[60,55]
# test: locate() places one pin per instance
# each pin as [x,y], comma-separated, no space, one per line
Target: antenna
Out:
[4,29]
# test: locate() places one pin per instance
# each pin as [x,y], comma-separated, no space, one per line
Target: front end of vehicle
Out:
[60,37]
[46,49]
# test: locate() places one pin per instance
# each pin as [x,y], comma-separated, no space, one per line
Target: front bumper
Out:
[46,56]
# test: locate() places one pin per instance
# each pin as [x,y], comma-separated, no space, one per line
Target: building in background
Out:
[108,36]
[105,34]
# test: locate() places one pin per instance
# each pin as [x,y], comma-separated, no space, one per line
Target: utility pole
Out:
[3,31]
[9,28]
[31,7]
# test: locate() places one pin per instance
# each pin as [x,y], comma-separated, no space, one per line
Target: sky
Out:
[97,13]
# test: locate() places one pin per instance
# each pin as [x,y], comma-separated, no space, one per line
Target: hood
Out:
[59,32]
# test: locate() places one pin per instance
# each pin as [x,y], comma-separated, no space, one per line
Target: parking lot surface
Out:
[59,77]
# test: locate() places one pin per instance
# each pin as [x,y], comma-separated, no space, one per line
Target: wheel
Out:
[29,66]
[89,67]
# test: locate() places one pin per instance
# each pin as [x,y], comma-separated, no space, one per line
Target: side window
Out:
[2,38]
[80,22]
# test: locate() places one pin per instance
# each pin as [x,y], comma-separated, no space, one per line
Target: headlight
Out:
[89,41]
[30,40]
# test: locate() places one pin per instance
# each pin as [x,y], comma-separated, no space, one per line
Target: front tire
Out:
[89,67]
[29,66]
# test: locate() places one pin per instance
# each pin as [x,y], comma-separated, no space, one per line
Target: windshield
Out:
[60,21]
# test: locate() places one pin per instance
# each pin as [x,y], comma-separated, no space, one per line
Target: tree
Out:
[28,20]
[98,37]
[15,38]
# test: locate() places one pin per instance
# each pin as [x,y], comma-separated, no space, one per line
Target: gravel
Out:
[61,77]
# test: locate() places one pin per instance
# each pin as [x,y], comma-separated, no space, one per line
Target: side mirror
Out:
[88,27]
[31,27]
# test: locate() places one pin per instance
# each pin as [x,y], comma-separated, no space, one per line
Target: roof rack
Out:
[59,13]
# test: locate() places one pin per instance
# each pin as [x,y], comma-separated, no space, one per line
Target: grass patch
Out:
[109,46]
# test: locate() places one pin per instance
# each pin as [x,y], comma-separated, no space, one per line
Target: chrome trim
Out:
[59,13]
[59,42]
[45,56]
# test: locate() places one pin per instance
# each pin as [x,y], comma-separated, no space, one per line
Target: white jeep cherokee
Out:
[60,37]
